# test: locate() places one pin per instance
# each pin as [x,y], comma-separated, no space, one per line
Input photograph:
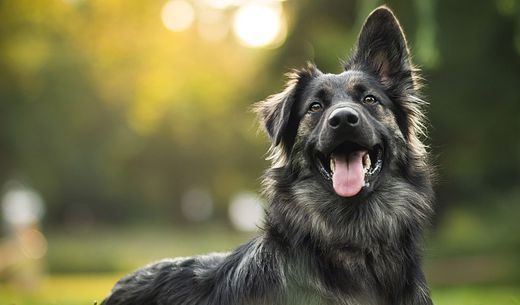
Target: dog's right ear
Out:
[382,48]
[277,114]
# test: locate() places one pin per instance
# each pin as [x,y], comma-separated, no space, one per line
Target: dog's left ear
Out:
[382,47]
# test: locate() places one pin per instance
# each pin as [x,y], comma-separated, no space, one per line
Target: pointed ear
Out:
[382,48]
[277,113]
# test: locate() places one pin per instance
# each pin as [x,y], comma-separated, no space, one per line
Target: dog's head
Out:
[349,130]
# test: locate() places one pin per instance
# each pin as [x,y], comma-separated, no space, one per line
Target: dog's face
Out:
[349,130]
[345,123]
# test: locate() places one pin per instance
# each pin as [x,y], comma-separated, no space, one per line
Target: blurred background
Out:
[126,134]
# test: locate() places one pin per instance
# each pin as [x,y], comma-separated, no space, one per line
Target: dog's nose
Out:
[343,117]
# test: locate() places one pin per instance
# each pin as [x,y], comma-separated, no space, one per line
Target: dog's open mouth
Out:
[351,167]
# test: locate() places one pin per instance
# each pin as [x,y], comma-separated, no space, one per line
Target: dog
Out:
[349,193]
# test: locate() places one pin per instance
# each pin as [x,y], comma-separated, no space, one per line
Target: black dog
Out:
[349,192]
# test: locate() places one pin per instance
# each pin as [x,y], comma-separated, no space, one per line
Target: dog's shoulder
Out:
[168,279]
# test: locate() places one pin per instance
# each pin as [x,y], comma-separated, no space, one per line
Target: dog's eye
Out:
[370,100]
[315,107]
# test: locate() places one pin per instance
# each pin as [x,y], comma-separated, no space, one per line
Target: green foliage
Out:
[102,109]
[106,112]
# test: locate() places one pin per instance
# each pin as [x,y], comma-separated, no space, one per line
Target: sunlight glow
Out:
[259,25]
[212,25]
[246,212]
[221,4]
[177,15]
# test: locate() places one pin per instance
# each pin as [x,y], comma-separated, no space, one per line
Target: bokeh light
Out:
[220,4]
[259,25]
[246,212]
[197,205]
[177,15]
[33,244]
[212,25]
[21,206]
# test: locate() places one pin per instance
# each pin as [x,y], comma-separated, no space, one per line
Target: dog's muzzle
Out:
[350,152]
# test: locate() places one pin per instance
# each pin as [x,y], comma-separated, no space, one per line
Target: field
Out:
[84,264]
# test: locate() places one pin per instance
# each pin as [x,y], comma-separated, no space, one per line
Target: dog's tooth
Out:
[332,165]
[366,162]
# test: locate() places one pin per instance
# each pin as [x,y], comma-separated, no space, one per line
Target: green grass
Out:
[61,290]
[477,295]
[101,250]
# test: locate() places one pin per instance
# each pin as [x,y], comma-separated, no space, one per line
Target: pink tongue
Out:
[348,177]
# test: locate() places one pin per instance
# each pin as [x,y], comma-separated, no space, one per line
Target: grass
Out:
[97,250]
[477,295]
[62,290]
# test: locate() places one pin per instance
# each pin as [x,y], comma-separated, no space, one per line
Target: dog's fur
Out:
[318,247]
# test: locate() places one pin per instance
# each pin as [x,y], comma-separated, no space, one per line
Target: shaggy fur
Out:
[318,247]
